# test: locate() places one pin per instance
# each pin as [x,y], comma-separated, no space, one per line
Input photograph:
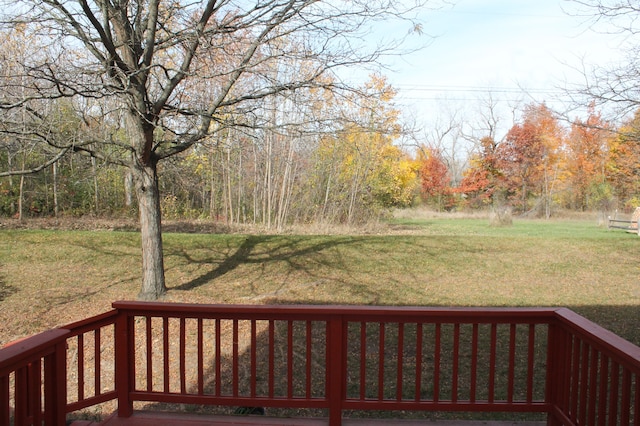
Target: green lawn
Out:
[49,278]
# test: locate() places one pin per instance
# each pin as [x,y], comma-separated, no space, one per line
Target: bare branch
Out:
[39,168]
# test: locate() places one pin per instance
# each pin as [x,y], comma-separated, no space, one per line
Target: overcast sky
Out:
[503,45]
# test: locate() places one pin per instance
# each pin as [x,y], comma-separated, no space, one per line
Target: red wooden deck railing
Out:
[329,358]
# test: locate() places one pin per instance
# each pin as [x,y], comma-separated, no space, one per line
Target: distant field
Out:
[50,278]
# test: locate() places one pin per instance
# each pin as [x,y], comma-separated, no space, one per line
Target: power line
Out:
[473,89]
[452,99]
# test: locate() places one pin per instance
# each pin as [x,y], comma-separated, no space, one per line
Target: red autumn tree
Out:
[586,157]
[435,182]
[623,165]
[529,159]
[480,180]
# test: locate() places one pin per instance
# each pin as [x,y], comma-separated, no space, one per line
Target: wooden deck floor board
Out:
[143,418]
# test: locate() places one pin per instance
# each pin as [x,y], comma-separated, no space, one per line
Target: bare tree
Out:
[614,85]
[150,58]
[445,137]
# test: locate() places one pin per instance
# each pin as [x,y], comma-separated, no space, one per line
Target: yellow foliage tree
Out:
[362,170]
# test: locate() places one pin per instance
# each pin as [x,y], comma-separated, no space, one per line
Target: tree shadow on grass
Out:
[240,256]
[262,250]
[6,290]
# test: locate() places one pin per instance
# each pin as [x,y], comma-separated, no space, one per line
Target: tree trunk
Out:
[229,211]
[128,188]
[56,207]
[21,198]
[20,213]
[9,167]
[94,171]
[266,201]
[146,187]
[212,185]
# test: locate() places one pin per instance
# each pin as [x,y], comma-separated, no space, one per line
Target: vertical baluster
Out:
[418,395]
[149,352]
[35,391]
[97,361]
[584,384]
[636,404]
[575,379]
[80,366]
[200,367]
[218,351]
[182,356]
[613,394]
[564,391]
[593,387]
[363,360]
[21,396]
[130,370]
[603,392]
[254,368]
[625,398]
[381,361]
[4,400]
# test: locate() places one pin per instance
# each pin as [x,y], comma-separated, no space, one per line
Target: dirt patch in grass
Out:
[107,224]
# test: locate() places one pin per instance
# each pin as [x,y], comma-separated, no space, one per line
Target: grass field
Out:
[50,278]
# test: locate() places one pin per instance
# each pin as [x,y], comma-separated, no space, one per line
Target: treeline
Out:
[542,165]
[278,175]
[271,174]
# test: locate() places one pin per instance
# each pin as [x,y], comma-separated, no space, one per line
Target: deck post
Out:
[556,388]
[55,385]
[335,369]
[552,371]
[124,363]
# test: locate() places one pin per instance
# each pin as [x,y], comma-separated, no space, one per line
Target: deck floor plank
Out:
[144,418]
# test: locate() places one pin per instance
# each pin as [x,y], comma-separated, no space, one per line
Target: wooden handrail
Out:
[603,339]
[21,352]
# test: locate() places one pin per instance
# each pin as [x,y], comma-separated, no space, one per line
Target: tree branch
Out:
[41,167]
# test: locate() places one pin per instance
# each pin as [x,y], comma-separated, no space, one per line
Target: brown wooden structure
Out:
[331,360]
